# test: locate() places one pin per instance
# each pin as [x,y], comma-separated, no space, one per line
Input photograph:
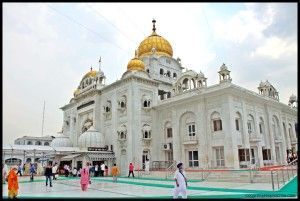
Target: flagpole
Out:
[43,119]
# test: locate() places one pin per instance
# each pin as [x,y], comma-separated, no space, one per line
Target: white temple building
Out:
[161,112]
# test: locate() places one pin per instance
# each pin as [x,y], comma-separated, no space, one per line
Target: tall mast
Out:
[43,119]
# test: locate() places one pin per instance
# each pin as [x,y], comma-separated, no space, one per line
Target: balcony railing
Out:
[190,139]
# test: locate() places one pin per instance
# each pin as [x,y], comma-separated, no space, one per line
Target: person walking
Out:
[102,169]
[115,172]
[180,182]
[66,168]
[4,173]
[48,174]
[106,170]
[32,171]
[19,170]
[96,170]
[84,177]
[131,168]
[54,171]
[13,184]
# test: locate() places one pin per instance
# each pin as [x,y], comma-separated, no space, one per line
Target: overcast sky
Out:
[47,48]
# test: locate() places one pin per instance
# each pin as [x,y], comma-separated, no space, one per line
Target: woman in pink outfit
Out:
[84,177]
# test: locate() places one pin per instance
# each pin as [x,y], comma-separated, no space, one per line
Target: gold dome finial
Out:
[153,29]
[161,45]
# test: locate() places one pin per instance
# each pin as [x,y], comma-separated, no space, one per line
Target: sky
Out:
[48,47]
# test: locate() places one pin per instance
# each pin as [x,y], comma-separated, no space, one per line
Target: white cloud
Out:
[243,25]
[275,47]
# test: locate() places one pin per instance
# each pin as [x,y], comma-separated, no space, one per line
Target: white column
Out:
[271,134]
[283,144]
[230,144]
[288,142]
[176,137]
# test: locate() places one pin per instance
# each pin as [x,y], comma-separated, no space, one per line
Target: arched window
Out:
[38,143]
[168,74]
[46,144]
[29,143]
[216,122]
[250,124]
[122,104]
[145,104]
[122,132]
[261,126]
[161,71]
[275,127]
[146,130]
[238,121]
[174,75]
[122,135]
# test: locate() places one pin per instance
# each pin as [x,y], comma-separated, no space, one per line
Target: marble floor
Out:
[103,187]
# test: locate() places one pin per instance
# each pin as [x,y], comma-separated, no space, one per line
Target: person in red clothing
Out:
[131,168]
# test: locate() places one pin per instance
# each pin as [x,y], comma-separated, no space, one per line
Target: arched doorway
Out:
[13,161]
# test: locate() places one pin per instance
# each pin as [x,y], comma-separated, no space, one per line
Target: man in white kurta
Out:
[180,182]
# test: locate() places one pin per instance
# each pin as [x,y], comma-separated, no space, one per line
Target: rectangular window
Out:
[191,130]
[220,161]
[237,125]
[217,125]
[266,154]
[244,155]
[169,133]
[193,159]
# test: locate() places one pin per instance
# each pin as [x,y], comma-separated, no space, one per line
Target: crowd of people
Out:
[50,173]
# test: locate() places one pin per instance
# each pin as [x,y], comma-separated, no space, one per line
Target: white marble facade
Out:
[169,113]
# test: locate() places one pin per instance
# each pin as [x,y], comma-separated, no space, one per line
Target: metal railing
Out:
[161,165]
[171,169]
[283,175]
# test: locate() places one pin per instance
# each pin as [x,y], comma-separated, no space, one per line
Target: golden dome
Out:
[136,64]
[91,73]
[161,45]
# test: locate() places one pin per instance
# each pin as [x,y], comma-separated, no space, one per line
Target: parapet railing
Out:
[284,174]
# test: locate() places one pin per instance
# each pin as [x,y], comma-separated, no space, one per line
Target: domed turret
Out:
[160,44]
[61,141]
[91,138]
[136,64]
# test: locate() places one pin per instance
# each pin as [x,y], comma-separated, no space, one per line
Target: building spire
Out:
[153,29]
[99,64]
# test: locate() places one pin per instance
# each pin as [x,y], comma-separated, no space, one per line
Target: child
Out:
[13,184]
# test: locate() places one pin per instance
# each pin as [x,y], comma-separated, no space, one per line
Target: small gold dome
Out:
[161,45]
[76,92]
[92,73]
[135,64]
